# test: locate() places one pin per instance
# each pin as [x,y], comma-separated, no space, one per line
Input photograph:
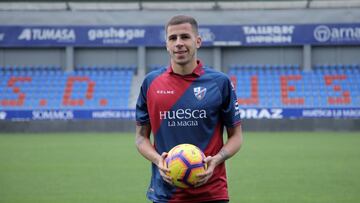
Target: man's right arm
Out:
[146,149]
[143,143]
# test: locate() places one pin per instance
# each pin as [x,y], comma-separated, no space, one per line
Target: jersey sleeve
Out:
[142,114]
[230,109]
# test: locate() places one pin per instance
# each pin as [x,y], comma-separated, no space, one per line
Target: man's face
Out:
[182,43]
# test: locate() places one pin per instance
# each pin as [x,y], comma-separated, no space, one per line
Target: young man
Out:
[187,103]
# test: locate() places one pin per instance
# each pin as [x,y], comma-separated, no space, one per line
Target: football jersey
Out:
[191,109]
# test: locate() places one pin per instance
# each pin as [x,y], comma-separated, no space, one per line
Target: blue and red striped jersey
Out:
[188,109]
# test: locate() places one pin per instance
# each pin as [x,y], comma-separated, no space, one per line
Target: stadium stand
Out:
[49,87]
[102,87]
[155,67]
[280,86]
[274,92]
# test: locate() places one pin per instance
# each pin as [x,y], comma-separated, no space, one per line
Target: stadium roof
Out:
[75,5]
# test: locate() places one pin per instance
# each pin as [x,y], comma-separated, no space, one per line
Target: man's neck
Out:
[184,69]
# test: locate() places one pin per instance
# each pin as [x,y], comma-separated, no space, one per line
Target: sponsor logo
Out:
[323,33]
[269,34]
[114,114]
[165,92]
[261,113]
[42,34]
[52,115]
[331,113]
[237,109]
[115,35]
[199,92]
[2,115]
[183,117]
[206,35]
[183,114]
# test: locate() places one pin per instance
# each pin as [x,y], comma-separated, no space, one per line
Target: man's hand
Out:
[163,169]
[212,162]
[204,177]
[232,146]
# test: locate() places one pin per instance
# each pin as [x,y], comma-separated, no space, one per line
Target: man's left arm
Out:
[230,148]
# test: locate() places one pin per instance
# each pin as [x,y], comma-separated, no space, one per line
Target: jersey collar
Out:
[197,72]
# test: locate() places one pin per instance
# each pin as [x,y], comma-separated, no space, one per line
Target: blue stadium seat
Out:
[313,85]
[48,84]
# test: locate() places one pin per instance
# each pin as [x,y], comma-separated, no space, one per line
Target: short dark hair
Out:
[180,19]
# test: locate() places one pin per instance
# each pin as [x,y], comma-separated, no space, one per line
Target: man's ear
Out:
[198,41]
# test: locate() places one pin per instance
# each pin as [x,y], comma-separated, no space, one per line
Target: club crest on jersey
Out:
[199,92]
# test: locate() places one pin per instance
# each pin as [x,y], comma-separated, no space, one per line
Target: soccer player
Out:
[187,103]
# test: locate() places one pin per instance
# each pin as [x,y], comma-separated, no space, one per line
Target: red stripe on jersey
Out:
[163,93]
[216,142]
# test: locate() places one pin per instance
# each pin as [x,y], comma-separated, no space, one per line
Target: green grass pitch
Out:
[298,167]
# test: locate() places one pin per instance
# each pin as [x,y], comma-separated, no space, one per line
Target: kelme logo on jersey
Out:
[199,92]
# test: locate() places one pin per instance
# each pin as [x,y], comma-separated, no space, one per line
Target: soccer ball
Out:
[185,161]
